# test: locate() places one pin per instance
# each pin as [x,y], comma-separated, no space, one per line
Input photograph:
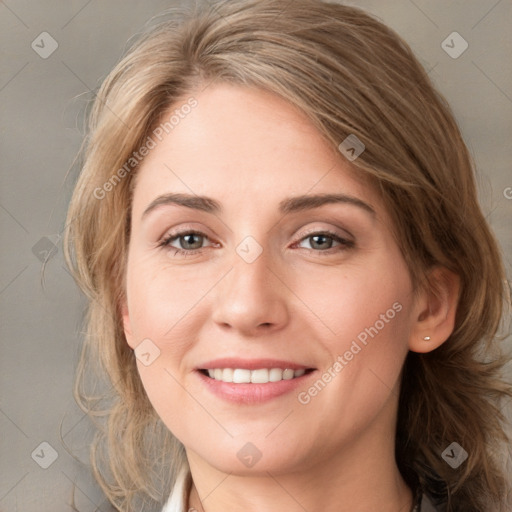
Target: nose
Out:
[252,298]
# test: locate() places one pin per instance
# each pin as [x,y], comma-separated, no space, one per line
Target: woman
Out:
[293,291]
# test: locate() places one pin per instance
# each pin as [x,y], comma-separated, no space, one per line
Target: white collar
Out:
[178,497]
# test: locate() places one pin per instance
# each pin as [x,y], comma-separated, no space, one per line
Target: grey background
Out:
[42,105]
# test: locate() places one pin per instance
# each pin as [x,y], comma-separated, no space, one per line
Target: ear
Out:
[127,325]
[434,311]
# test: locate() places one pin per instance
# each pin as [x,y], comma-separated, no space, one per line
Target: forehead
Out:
[245,146]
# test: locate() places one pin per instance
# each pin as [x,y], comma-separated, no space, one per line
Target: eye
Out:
[323,242]
[190,242]
[185,242]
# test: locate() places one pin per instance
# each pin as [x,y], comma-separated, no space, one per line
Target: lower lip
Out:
[252,393]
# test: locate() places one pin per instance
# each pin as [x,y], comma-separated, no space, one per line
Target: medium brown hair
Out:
[350,74]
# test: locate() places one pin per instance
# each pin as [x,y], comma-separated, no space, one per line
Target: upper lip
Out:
[251,364]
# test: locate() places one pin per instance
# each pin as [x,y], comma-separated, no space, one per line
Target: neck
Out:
[364,477]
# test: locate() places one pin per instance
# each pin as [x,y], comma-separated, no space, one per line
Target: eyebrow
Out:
[286,206]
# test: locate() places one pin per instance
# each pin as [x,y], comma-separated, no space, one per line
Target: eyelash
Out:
[344,243]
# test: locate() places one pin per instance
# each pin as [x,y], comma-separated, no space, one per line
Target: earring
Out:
[427,338]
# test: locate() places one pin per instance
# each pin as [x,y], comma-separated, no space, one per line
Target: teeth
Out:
[288,374]
[260,376]
[275,374]
[240,376]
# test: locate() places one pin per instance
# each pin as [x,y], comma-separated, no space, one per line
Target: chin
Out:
[251,454]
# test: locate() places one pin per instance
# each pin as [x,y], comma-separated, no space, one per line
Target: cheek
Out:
[363,324]
[354,303]
[165,308]
[163,301]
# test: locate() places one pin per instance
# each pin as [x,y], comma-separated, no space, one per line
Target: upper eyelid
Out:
[329,231]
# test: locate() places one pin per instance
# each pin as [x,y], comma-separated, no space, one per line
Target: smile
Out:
[258,376]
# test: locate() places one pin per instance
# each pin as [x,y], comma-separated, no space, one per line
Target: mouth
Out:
[257,376]
[250,382]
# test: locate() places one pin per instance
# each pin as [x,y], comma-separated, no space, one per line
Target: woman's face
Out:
[275,278]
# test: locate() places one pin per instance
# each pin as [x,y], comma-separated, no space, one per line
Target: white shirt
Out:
[178,499]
